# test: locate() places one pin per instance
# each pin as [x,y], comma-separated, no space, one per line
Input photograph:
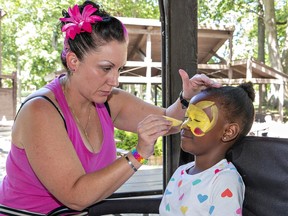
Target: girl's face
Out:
[97,74]
[204,126]
[198,120]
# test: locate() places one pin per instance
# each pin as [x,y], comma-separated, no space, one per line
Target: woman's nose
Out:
[114,79]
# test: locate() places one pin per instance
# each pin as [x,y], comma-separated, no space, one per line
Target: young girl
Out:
[216,119]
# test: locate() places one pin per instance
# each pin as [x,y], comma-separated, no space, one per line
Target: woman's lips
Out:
[105,93]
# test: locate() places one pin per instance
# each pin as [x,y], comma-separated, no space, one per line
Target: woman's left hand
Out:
[195,84]
[149,130]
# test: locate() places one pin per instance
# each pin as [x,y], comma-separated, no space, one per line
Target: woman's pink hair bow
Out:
[79,22]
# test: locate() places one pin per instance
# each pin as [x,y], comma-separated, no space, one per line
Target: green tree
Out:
[261,32]
[127,140]
[31,36]
[133,8]
[27,35]
[245,15]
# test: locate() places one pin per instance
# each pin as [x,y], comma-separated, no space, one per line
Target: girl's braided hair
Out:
[237,104]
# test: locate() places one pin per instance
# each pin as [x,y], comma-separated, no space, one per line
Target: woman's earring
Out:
[70,71]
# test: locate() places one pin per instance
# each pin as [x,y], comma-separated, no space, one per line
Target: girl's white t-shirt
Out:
[216,191]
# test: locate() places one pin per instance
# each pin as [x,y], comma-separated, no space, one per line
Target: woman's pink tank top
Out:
[21,188]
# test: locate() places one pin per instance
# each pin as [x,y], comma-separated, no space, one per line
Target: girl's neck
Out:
[202,164]
[194,170]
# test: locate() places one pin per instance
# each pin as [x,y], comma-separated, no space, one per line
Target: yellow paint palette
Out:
[175,122]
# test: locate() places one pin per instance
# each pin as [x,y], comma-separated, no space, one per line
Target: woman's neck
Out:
[80,105]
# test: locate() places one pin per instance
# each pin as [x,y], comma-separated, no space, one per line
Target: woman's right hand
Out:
[149,130]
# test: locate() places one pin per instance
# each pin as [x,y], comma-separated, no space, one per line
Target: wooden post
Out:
[14,84]
[249,70]
[281,101]
[261,97]
[148,60]
[179,32]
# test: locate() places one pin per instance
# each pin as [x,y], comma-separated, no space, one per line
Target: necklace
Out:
[84,129]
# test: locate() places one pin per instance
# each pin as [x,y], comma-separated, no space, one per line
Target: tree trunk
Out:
[261,33]
[261,51]
[271,33]
[285,60]
[285,52]
[274,53]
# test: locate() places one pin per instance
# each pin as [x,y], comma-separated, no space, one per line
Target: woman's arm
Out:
[56,164]
[127,110]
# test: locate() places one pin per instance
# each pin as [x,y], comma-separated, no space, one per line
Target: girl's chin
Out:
[186,143]
[187,149]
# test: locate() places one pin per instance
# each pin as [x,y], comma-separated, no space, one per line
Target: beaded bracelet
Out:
[130,163]
[138,157]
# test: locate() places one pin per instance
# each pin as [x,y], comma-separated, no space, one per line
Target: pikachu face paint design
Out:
[198,121]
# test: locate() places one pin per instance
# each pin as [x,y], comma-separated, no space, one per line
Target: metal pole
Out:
[179,39]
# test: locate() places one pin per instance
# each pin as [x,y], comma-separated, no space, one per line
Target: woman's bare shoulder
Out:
[37,114]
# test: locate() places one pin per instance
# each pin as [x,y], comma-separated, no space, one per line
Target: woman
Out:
[67,156]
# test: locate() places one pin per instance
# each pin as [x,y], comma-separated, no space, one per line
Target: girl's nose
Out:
[184,125]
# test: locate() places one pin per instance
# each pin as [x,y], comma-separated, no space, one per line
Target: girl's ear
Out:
[72,61]
[231,132]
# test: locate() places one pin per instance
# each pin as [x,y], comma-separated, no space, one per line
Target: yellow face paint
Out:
[197,120]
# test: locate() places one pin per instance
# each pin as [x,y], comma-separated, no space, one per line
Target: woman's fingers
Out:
[195,83]
[149,130]
[153,125]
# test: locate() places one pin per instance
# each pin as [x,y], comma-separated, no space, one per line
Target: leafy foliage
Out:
[32,40]
[127,140]
[133,8]
[243,14]
[31,36]
[282,22]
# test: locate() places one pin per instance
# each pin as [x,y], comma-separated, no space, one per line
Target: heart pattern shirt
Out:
[216,191]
